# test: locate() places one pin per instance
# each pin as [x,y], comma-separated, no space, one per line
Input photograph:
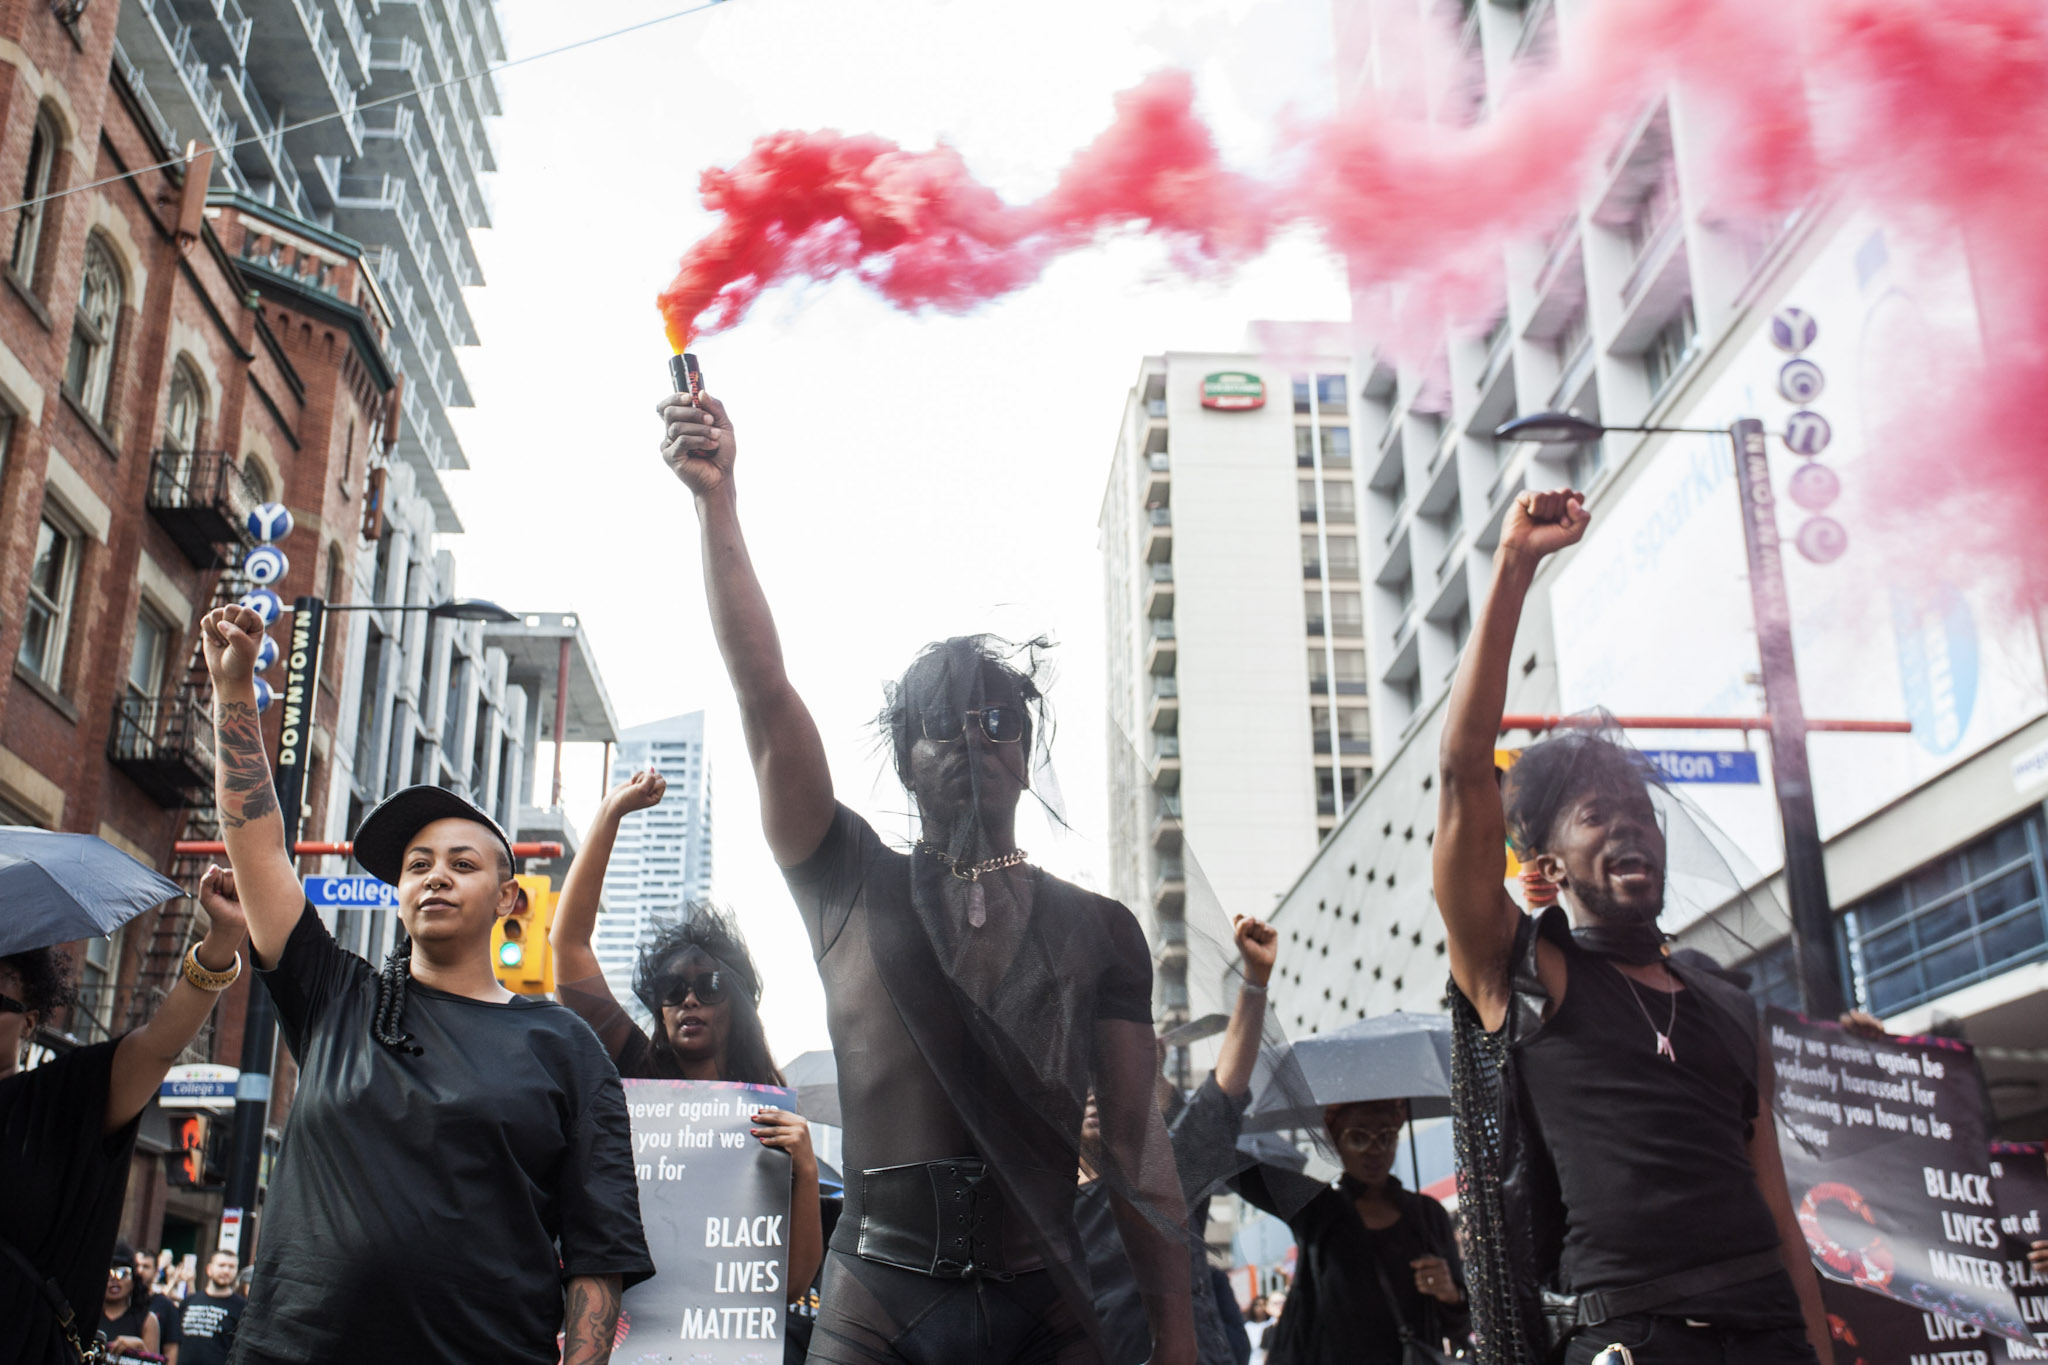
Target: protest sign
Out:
[715,1204]
[1884,1149]
[1872,1330]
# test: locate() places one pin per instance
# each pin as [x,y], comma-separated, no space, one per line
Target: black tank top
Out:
[1651,1154]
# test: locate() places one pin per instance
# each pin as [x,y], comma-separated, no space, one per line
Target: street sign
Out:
[230,1239]
[350,893]
[1822,539]
[1233,391]
[1704,765]
[199,1085]
[1814,486]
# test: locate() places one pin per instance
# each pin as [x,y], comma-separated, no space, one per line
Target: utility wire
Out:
[373,104]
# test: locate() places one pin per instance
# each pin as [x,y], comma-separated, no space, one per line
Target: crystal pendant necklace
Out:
[1664,1048]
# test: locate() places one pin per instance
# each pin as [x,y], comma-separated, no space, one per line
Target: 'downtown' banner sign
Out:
[715,1204]
[1871,1330]
[1884,1149]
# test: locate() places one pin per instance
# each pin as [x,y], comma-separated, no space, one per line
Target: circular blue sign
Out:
[1814,486]
[270,521]
[266,564]
[1793,330]
[266,654]
[1807,433]
[1822,540]
[267,605]
[1801,381]
[264,695]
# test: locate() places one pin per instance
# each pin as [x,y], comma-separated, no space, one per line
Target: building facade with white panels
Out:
[1649,305]
[1236,672]
[662,860]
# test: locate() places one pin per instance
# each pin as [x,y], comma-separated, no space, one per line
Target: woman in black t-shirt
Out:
[127,1323]
[698,981]
[456,1181]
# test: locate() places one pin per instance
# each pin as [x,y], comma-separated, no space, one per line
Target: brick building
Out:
[155,384]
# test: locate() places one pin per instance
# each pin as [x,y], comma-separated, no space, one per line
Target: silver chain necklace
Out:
[1664,1048]
[977,902]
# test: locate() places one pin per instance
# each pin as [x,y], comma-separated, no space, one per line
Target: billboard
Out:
[1653,614]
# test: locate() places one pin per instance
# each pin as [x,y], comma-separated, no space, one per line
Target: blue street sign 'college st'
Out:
[1704,765]
[351,892]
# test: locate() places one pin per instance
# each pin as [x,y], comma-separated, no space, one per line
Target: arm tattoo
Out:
[242,768]
[593,1318]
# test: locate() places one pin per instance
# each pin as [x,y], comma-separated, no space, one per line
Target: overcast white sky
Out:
[904,478]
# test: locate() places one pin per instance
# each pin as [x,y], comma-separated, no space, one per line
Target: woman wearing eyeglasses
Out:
[698,983]
[1377,1261]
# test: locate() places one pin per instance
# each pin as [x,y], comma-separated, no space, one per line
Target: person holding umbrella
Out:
[67,1127]
[456,1182]
[1379,1273]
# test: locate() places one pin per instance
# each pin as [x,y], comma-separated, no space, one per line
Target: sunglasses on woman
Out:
[1369,1139]
[708,987]
[9,1005]
[999,724]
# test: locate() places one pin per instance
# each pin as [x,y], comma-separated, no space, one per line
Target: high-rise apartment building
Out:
[1236,628]
[662,860]
[402,178]
[1649,304]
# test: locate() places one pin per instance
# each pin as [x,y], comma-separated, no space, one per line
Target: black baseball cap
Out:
[387,831]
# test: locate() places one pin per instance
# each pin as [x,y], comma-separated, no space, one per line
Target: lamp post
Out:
[1806,879]
[295,738]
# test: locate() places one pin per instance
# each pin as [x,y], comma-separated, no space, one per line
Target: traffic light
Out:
[520,953]
[185,1163]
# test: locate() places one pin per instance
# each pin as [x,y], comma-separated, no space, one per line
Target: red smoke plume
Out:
[1933,111]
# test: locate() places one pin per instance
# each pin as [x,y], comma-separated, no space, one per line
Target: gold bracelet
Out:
[205,978]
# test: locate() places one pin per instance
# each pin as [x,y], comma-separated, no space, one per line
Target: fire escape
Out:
[202,499]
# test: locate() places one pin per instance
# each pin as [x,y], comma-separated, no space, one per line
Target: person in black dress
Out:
[1373,1257]
[697,980]
[67,1128]
[456,1182]
[1621,1183]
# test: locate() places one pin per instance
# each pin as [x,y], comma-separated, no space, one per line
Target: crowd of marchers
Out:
[1020,1184]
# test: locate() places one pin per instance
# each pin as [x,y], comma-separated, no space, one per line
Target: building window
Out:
[1311,557]
[92,330]
[258,481]
[1347,613]
[47,621]
[183,408]
[1653,211]
[1966,916]
[1670,348]
[1304,447]
[1305,495]
[6,437]
[1343,556]
[97,971]
[1336,445]
[1340,501]
[1318,670]
[35,183]
[1773,979]
[1312,604]
[1350,669]
[1331,394]
[1301,402]
[146,664]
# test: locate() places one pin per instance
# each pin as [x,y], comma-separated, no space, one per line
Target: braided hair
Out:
[387,1025]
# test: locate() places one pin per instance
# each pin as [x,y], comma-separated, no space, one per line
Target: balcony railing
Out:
[165,745]
[202,498]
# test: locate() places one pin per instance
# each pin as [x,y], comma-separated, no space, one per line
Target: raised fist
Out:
[1540,524]
[230,636]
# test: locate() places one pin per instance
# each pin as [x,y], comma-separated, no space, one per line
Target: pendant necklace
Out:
[1664,1048]
[977,902]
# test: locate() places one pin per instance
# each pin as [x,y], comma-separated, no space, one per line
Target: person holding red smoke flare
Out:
[1618,1168]
[973,1000]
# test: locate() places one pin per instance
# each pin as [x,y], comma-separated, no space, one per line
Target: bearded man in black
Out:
[973,1000]
[1619,1174]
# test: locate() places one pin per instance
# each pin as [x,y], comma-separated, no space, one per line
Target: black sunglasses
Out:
[999,724]
[708,987]
[9,1005]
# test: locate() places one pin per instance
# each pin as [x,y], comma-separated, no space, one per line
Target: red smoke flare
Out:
[1933,112]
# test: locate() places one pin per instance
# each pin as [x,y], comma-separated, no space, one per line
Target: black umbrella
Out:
[1392,1057]
[58,888]
[815,1078]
